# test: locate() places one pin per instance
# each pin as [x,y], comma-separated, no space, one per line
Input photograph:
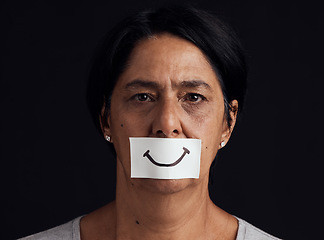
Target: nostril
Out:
[159,131]
[163,134]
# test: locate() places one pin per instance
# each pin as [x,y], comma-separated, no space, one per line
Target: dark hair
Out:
[217,41]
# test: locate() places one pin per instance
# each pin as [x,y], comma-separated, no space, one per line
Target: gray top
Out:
[71,231]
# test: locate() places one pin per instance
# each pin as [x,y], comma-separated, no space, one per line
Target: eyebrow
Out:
[194,84]
[153,85]
[141,83]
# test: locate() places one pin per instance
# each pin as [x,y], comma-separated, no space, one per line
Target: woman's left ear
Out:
[228,128]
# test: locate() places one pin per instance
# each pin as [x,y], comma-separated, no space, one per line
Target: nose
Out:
[166,120]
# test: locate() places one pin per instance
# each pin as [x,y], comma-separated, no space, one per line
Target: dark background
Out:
[55,166]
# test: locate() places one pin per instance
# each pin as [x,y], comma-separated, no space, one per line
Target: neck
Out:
[164,209]
[159,209]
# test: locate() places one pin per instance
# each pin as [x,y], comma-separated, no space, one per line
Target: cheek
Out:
[205,123]
[211,132]
[125,124]
[207,127]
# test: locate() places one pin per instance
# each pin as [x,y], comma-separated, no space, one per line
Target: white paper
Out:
[165,158]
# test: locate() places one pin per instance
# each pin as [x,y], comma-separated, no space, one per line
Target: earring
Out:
[222,144]
[108,138]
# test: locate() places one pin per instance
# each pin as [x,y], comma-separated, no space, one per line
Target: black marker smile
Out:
[146,154]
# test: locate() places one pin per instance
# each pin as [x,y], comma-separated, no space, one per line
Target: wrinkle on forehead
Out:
[168,57]
[178,45]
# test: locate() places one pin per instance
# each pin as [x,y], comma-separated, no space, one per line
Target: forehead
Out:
[165,56]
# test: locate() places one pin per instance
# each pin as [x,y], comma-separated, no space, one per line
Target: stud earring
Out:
[108,138]
[222,144]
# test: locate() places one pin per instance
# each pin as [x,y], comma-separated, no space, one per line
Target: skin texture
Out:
[167,90]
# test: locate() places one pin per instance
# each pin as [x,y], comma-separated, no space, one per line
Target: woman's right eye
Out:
[143,97]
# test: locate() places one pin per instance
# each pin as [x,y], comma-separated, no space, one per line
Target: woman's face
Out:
[168,89]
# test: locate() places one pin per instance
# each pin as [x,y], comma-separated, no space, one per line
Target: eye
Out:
[194,97]
[143,97]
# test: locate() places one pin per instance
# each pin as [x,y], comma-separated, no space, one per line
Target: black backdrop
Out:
[55,166]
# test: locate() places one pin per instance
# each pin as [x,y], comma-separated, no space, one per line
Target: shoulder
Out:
[247,231]
[67,231]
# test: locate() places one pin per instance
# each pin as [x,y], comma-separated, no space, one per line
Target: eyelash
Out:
[136,97]
[188,95]
[184,98]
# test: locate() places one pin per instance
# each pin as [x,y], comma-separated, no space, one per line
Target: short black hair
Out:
[216,40]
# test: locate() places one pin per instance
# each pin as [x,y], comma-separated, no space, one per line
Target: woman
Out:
[173,73]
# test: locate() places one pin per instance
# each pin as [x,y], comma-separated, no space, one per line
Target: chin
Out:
[164,186]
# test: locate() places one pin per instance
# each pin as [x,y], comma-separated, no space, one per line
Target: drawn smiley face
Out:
[185,151]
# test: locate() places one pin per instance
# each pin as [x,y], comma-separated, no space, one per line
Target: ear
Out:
[104,122]
[227,130]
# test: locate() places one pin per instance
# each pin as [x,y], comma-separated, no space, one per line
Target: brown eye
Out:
[143,97]
[193,97]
